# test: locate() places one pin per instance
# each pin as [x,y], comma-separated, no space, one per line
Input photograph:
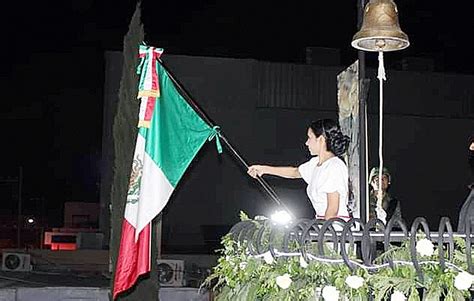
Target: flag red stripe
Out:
[133,259]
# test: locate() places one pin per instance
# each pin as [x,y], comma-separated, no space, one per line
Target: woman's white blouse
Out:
[330,177]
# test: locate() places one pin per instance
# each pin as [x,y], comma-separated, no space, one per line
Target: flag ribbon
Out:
[149,83]
[149,88]
[216,133]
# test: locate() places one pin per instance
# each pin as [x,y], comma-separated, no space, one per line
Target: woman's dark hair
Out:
[336,141]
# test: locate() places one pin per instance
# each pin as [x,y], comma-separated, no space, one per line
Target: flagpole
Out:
[264,184]
[203,115]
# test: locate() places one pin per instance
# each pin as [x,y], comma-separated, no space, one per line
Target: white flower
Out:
[242,265]
[354,282]
[283,281]
[463,281]
[425,247]
[267,256]
[229,260]
[317,292]
[330,293]
[397,296]
[303,263]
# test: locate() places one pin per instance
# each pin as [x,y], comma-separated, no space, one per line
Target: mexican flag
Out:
[163,152]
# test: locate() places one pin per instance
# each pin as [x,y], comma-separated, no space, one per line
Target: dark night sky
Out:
[52,68]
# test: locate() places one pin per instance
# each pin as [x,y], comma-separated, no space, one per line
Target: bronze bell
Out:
[380,29]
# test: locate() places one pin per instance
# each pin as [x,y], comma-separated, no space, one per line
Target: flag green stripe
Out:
[176,133]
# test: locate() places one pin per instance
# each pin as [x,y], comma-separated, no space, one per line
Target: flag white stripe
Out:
[155,192]
[131,208]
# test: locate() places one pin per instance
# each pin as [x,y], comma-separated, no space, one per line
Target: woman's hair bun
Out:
[336,141]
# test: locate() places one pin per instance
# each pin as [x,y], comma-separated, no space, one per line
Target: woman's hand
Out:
[256,170]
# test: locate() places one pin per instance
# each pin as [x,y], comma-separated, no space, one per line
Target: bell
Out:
[380,29]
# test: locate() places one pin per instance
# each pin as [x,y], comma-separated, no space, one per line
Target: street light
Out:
[30,221]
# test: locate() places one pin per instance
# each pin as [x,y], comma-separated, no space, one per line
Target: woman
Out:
[326,173]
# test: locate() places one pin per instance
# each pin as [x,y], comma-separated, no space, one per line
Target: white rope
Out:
[381,77]
[367,185]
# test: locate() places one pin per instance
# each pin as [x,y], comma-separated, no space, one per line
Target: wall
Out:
[263,109]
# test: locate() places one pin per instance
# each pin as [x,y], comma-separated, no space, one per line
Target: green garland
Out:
[241,276]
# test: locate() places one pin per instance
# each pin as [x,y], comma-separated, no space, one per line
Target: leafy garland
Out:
[241,276]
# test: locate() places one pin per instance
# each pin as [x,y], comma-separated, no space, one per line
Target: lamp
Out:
[281,217]
[380,32]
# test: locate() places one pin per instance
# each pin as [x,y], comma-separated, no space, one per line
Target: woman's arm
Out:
[333,205]
[289,172]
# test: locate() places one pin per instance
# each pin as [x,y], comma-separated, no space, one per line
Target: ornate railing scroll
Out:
[300,237]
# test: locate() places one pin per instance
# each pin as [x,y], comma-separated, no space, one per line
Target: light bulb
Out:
[281,217]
